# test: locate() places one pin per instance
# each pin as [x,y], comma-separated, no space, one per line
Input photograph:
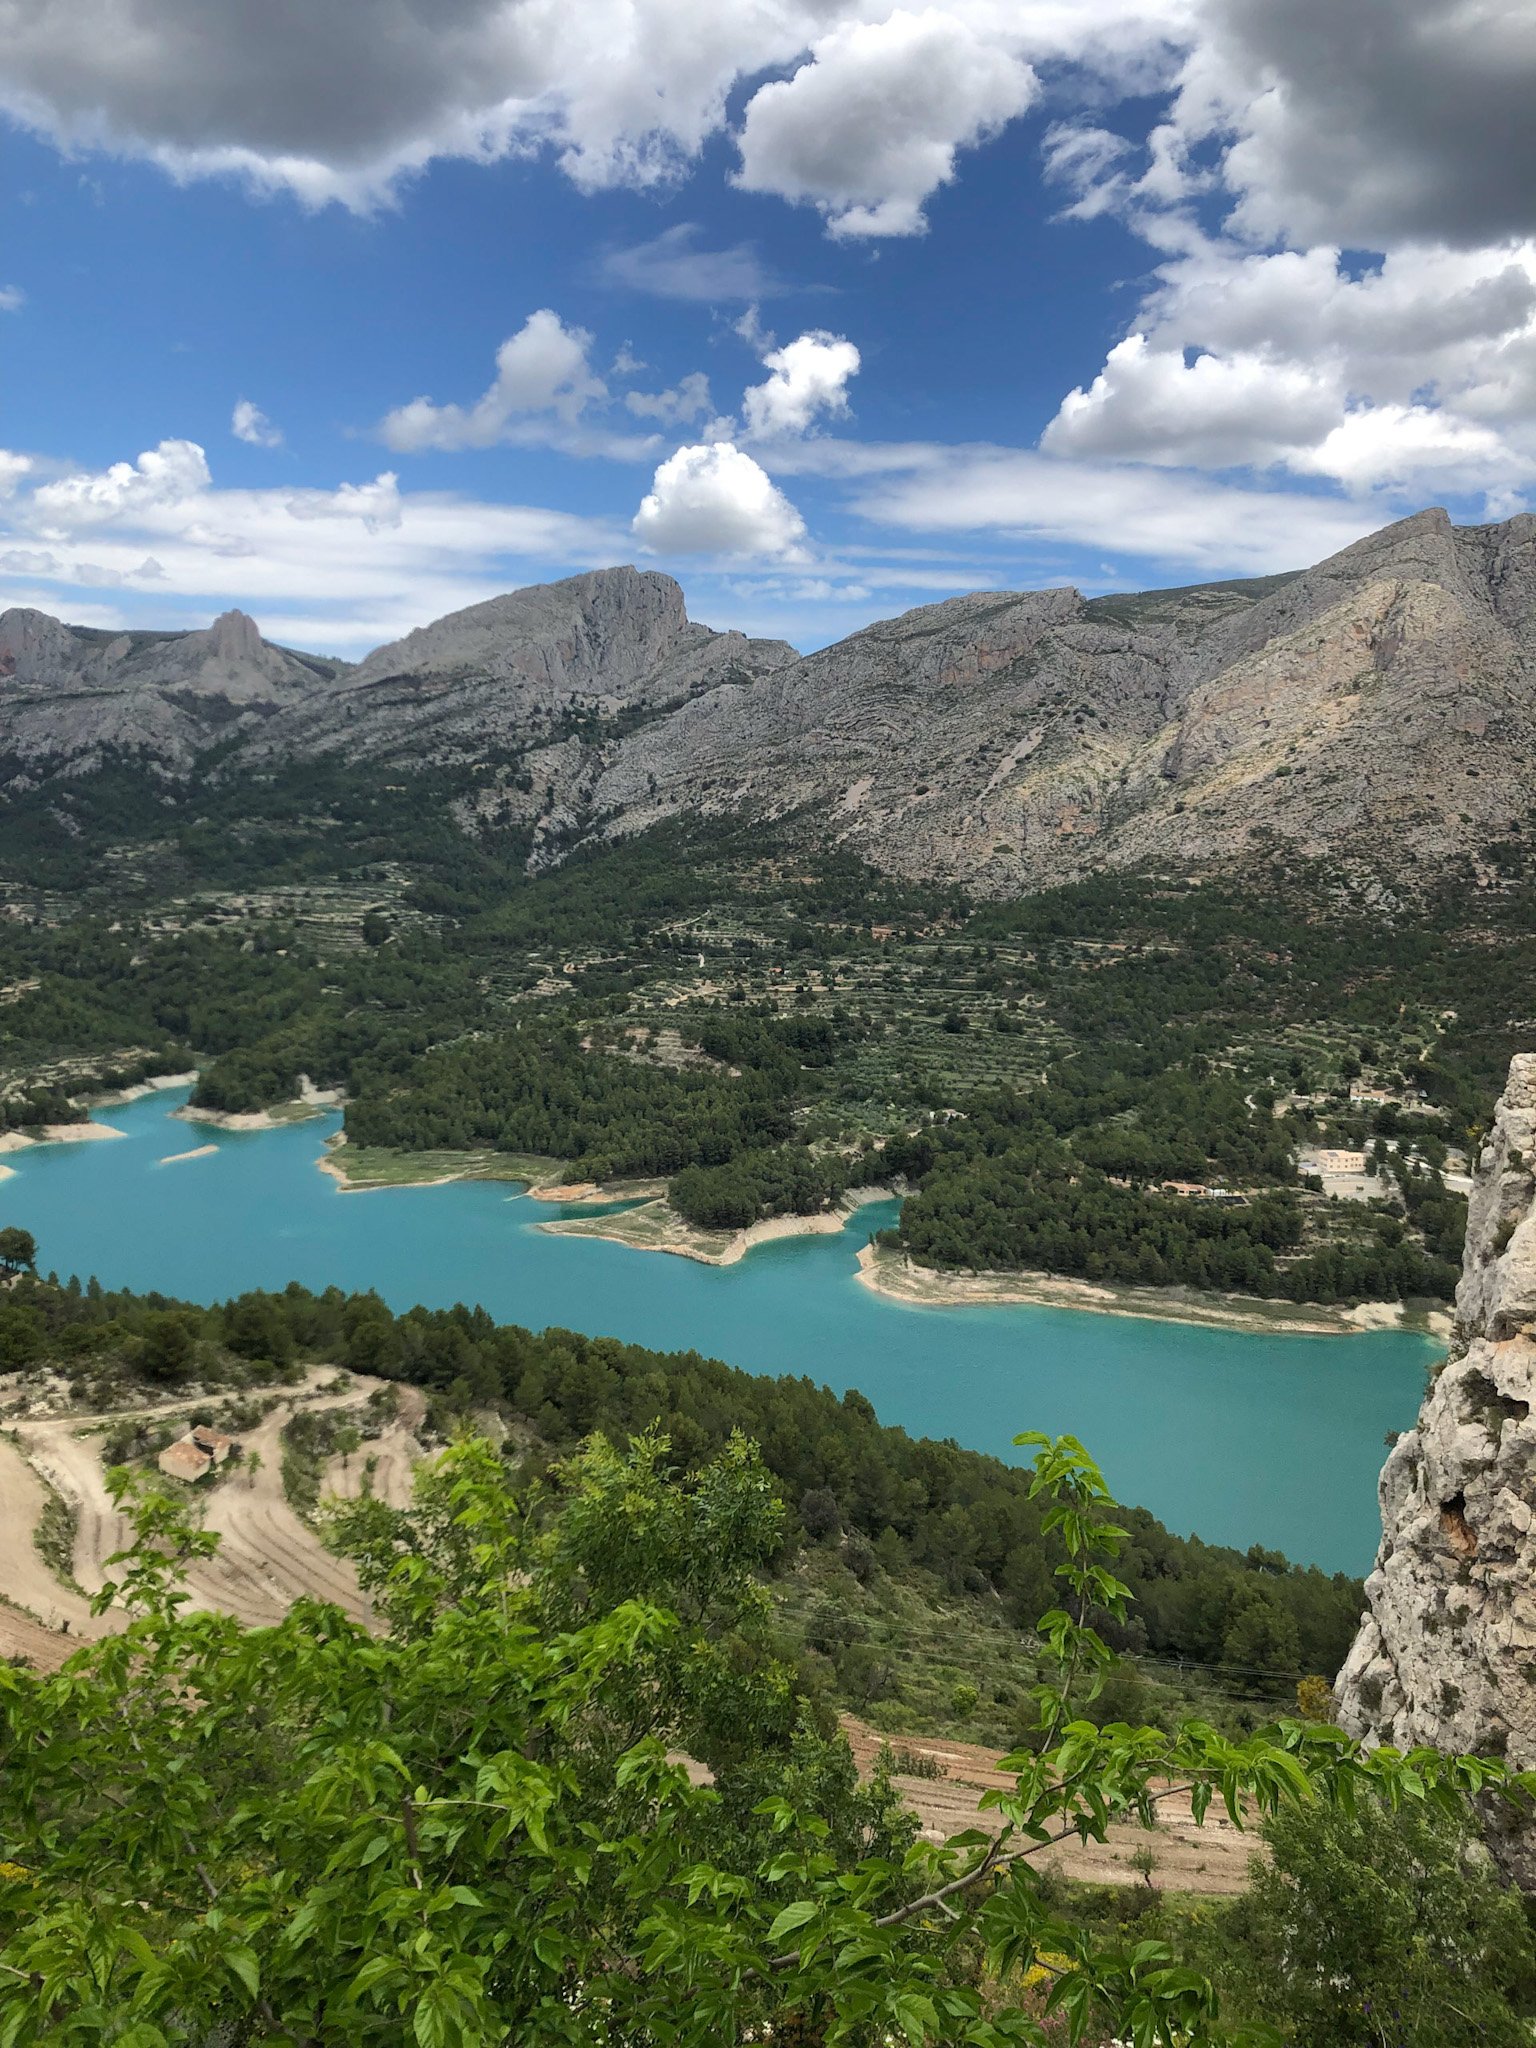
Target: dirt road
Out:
[1212,1859]
[267,1558]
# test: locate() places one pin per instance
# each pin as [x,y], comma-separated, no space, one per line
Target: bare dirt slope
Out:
[25,1578]
[385,1467]
[1212,1859]
[267,1557]
[20,1636]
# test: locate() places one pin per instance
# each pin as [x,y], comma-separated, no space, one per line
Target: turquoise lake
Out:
[1241,1439]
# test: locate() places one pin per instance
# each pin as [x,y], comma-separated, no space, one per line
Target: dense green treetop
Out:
[472,1827]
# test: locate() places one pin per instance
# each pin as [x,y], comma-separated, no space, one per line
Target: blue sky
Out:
[828,309]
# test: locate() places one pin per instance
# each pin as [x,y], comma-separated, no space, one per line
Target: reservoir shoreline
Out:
[1257,1435]
[647,1223]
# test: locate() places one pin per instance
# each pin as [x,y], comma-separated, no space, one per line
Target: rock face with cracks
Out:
[1446,1654]
[1376,713]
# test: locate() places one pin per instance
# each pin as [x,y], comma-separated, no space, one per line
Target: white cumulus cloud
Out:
[868,129]
[689,399]
[356,96]
[1376,445]
[1373,123]
[164,475]
[543,368]
[249,423]
[1417,373]
[807,377]
[715,500]
[1150,405]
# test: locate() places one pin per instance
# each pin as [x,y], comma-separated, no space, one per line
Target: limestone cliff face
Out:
[1446,1653]
[503,675]
[73,694]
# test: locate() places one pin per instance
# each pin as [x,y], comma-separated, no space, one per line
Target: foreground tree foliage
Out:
[1366,1926]
[473,1827]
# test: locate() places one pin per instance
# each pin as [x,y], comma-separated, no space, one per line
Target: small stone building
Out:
[196,1454]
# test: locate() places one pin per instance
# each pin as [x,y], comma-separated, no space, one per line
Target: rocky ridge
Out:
[1446,1653]
[498,676]
[495,679]
[1381,706]
[76,694]
[1378,710]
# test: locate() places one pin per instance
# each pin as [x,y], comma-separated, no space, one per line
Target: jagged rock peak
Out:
[626,617]
[1446,1653]
[235,636]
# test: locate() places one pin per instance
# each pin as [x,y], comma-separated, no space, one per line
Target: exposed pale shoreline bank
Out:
[889,1273]
[646,1223]
[651,1226]
[57,1134]
[309,1102]
[85,1133]
[115,1097]
[248,1119]
[360,1170]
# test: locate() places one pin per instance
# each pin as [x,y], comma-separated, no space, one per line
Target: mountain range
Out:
[1378,709]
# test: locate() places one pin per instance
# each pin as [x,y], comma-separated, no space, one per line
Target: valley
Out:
[425,882]
[1035,1011]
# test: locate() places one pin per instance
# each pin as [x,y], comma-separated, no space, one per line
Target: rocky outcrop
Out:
[523,668]
[1446,1654]
[74,695]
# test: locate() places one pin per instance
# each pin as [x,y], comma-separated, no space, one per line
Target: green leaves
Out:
[478,1827]
[800,1914]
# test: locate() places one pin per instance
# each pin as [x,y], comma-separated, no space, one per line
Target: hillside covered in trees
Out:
[767,1029]
[966,1521]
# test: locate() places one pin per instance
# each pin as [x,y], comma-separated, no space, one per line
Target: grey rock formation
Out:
[1378,708]
[1378,711]
[1446,1654]
[504,674]
[74,694]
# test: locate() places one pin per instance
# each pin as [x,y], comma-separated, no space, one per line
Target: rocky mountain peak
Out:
[32,644]
[1446,1653]
[235,636]
[623,619]
[517,669]
[79,694]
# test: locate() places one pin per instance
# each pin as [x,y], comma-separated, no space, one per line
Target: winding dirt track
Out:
[267,1558]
